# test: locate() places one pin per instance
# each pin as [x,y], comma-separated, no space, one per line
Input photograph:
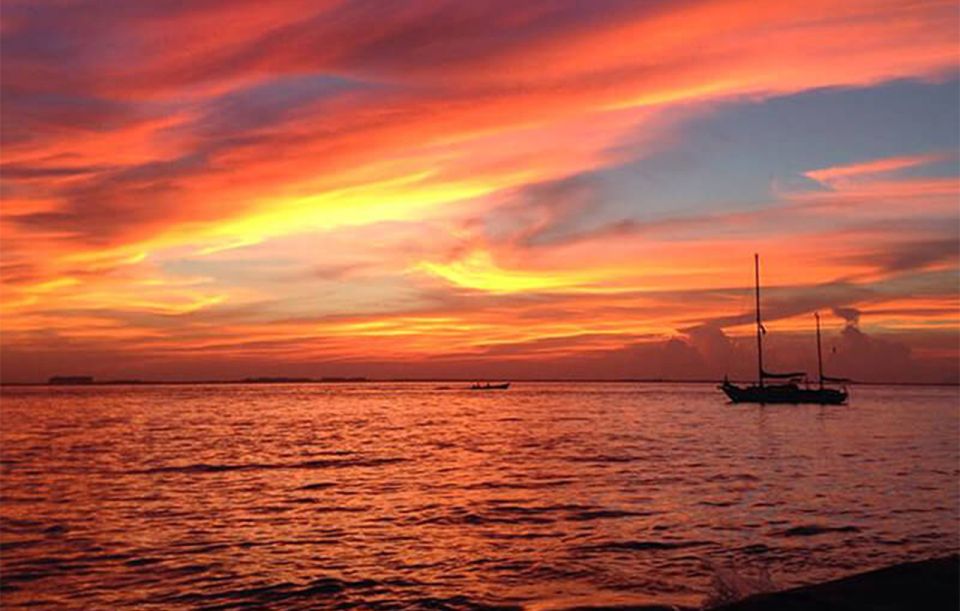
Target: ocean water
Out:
[414,496]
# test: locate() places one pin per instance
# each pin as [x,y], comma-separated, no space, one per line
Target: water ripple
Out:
[397,496]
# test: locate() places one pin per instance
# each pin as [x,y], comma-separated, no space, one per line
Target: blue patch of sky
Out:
[270,101]
[731,157]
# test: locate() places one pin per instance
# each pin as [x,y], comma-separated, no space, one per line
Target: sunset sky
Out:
[213,189]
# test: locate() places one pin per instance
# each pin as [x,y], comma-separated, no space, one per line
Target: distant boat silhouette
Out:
[789,392]
[488,386]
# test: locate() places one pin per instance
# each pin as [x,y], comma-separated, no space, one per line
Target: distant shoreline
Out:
[359,380]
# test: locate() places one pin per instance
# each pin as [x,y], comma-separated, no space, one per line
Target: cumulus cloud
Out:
[850,315]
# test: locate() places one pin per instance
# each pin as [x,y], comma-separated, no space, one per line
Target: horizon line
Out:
[364,380]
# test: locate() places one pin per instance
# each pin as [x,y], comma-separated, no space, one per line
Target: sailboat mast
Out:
[756,277]
[819,353]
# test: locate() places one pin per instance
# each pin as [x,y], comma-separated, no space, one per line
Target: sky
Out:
[489,189]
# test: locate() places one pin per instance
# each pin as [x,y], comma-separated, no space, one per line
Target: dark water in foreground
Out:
[401,495]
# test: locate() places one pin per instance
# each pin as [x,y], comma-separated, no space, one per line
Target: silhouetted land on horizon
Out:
[466,380]
[70,380]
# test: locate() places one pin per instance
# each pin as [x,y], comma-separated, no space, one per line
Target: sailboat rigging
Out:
[790,391]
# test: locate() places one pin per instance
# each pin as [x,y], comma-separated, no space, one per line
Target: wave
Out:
[810,530]
[263,595]
[332,463]
[514,485]
[501,512]
[329,591]
[602,459]
[639,546]
[603,514]
[475,519]
[458,603]
[318,486]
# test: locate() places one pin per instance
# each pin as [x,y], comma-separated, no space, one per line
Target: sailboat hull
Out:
[783,393]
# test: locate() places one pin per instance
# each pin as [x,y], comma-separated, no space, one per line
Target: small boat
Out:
[790,391]
[488,386]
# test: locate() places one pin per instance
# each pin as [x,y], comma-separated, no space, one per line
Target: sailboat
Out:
[789,391]
[834,396]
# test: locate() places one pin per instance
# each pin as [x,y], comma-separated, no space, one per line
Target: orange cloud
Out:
[183,141]
[842,174]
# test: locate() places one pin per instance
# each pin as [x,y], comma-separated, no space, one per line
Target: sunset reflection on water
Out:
[544,495]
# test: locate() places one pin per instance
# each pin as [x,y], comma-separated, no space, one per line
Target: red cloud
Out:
[144,135]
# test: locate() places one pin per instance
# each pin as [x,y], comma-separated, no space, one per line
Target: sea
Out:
[433,496]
